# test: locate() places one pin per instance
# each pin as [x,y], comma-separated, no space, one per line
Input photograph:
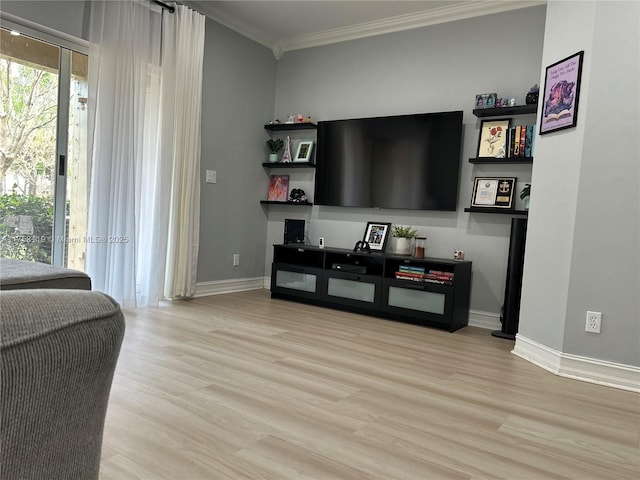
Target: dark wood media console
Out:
[375,284]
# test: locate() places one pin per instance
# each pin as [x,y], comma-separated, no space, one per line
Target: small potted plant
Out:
[275,145]
[403,236]
[524,195]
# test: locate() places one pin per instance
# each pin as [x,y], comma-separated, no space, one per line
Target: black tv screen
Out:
[407,162]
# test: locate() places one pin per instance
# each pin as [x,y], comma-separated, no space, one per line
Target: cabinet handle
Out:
[295,270]
[414,287]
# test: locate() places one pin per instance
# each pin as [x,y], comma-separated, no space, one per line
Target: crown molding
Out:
[450,13]
[231,22]
[411,21]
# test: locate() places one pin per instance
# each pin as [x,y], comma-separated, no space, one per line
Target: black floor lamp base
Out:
[501,334]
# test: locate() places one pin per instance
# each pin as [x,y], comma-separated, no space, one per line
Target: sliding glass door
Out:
[43,151]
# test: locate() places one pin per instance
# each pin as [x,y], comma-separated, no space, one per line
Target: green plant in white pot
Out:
[525,194]
[275,145]
[403,237]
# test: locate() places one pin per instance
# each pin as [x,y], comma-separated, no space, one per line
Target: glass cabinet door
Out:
[305,282]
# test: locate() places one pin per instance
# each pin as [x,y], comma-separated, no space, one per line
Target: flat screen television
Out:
[407,162]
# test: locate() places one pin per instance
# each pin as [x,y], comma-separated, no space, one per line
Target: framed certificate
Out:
[493,192]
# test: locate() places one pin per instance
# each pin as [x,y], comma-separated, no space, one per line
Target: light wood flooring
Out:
[240,386]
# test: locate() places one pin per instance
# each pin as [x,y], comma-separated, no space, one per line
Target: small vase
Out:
[273,157]
[402,246]
[526,203]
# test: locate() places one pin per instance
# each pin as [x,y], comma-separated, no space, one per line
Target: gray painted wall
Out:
[436,68]
[584,224]
[239,79]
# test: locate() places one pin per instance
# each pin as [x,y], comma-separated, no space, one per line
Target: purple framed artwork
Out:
[561,93]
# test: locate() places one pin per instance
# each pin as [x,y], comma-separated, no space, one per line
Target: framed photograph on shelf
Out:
[491,192]
[493,138]
[376,235]
[486,100]
[278,188]
[303,154]
[561,93]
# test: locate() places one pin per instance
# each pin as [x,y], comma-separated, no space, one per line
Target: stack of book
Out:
[420,274]
[521,140]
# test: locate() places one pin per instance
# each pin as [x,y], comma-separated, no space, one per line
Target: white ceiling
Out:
[283,25]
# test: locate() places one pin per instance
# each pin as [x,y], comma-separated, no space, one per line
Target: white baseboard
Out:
[602,372]
[228,286]
[488,320]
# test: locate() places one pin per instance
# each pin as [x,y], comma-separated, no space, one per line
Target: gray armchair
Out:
[58,353]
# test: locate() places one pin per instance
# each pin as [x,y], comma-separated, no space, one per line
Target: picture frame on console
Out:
[493,192]
[376,235]
[303,153]
[492,142]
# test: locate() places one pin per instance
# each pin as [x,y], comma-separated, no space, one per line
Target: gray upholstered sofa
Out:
[59,344]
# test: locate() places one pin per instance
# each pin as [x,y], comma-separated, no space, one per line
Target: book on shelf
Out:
[432,276]
[411,269]
[411,275]
[521,140]
[441,273]
[527,141]
[516,141]
[425,278]
[438,282]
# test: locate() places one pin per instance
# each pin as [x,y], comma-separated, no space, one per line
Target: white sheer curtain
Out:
[145,151]
[181,108]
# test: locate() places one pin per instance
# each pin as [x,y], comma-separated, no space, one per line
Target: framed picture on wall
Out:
[376,235]
[278,188]
[492,192]
[493,138]
[561,94]
[303,154]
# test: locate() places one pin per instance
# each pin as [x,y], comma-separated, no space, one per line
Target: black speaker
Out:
[293,231]
[510,314]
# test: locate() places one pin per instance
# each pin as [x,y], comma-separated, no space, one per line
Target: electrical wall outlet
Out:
[236,259]
[211,176]
[594,322]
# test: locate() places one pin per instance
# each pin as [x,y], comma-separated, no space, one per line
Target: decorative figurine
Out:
[532,96]
[286,156]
